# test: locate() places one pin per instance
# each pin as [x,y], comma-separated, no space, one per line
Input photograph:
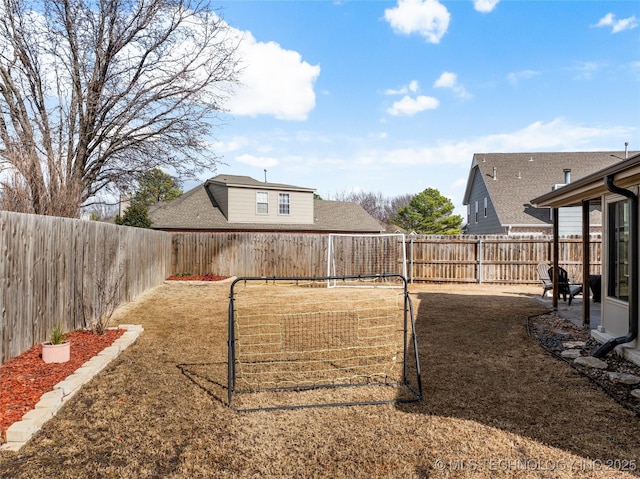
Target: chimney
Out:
[567,176]
[626,150]
[495,173]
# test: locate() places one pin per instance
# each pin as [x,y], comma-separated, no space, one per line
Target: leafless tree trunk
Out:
[92,94]
[377,205]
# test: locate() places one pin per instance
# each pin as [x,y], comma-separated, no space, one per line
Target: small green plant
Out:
[182,275]
[57,336]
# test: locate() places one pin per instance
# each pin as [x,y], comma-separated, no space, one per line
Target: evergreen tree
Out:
[137,214]
[429,213]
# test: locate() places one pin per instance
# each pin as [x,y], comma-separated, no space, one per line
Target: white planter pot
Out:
[56,353]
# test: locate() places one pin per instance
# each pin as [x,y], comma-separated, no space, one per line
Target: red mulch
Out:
[25,378]
[198,277]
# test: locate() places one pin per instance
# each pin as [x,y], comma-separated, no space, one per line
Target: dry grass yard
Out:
[496,405]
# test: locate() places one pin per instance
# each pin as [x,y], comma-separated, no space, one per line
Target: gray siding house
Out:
[500,187]
[228,203]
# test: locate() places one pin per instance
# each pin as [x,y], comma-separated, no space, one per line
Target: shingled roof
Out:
[197,210]
[248,182]
[514,179]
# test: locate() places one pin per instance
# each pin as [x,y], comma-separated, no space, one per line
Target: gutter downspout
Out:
[633,273]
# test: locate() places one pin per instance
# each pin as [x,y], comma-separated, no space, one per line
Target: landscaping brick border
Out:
[50,403]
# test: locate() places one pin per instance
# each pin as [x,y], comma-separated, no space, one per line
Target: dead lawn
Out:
[496,405]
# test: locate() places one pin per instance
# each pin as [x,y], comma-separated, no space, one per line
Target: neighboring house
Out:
[501,185]
[610,188]
[240,203]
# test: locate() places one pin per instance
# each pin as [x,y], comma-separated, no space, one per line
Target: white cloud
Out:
[554,135]
[617,26]
[557,134]
[234,144]
[410,106]
[413,87]
[485,6]
[450,80]
[446,80]
[400,91]
[515,77]
[428,18]
[260,161]
[585,70]
[275,81]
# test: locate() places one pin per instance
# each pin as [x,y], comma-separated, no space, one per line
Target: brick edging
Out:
[50,403]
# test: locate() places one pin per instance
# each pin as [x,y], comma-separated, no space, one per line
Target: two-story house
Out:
[240,203]
[500,187]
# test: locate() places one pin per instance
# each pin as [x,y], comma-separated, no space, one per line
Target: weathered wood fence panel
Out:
[495,259]
[473,259]
[250,254]
[54,271]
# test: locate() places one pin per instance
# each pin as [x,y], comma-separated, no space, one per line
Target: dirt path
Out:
[496,405]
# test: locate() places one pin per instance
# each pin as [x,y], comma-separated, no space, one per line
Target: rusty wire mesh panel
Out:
[297,335]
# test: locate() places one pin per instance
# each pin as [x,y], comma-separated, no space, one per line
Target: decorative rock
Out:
[573,344]
[591,362]
[570,353]
[624,378]
[636,393]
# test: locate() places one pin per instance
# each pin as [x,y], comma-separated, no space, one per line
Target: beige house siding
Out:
[244,207]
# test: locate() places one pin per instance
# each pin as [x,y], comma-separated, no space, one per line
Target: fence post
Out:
[411,260]
[480,261]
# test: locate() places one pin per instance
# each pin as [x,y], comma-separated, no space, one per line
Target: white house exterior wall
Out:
[243,209]
[614,313]
[570,221]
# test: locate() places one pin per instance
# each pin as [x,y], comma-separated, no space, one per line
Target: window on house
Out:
[485,207]
[476,211]
[618,222]
[262,203]
[469,213]
[283,203]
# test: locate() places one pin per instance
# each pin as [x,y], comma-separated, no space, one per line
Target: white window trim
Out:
[476,212]
[258,194]
[485,207]
[280,203]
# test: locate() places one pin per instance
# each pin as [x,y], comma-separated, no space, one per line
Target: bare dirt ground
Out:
[496,405]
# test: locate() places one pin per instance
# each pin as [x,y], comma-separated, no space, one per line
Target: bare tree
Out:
[382,208]
[93,94]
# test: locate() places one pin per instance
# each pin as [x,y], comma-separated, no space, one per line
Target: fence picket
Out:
[49,266]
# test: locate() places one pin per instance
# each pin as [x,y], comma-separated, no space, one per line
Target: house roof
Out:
[248,182]
[519,177]
[197,210]
[626,173]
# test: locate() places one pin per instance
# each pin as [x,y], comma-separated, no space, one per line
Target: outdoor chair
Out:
[565,287]
[543,273]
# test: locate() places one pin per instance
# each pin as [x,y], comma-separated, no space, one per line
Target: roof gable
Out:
[513,179]
[237,181]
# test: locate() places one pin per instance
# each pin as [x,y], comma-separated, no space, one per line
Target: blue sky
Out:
[395,97]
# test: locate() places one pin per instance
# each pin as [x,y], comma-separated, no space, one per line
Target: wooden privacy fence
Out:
[495,259]
[464,259]
[250,254]
[57,271]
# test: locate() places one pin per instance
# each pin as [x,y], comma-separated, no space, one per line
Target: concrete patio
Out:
[573,313]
